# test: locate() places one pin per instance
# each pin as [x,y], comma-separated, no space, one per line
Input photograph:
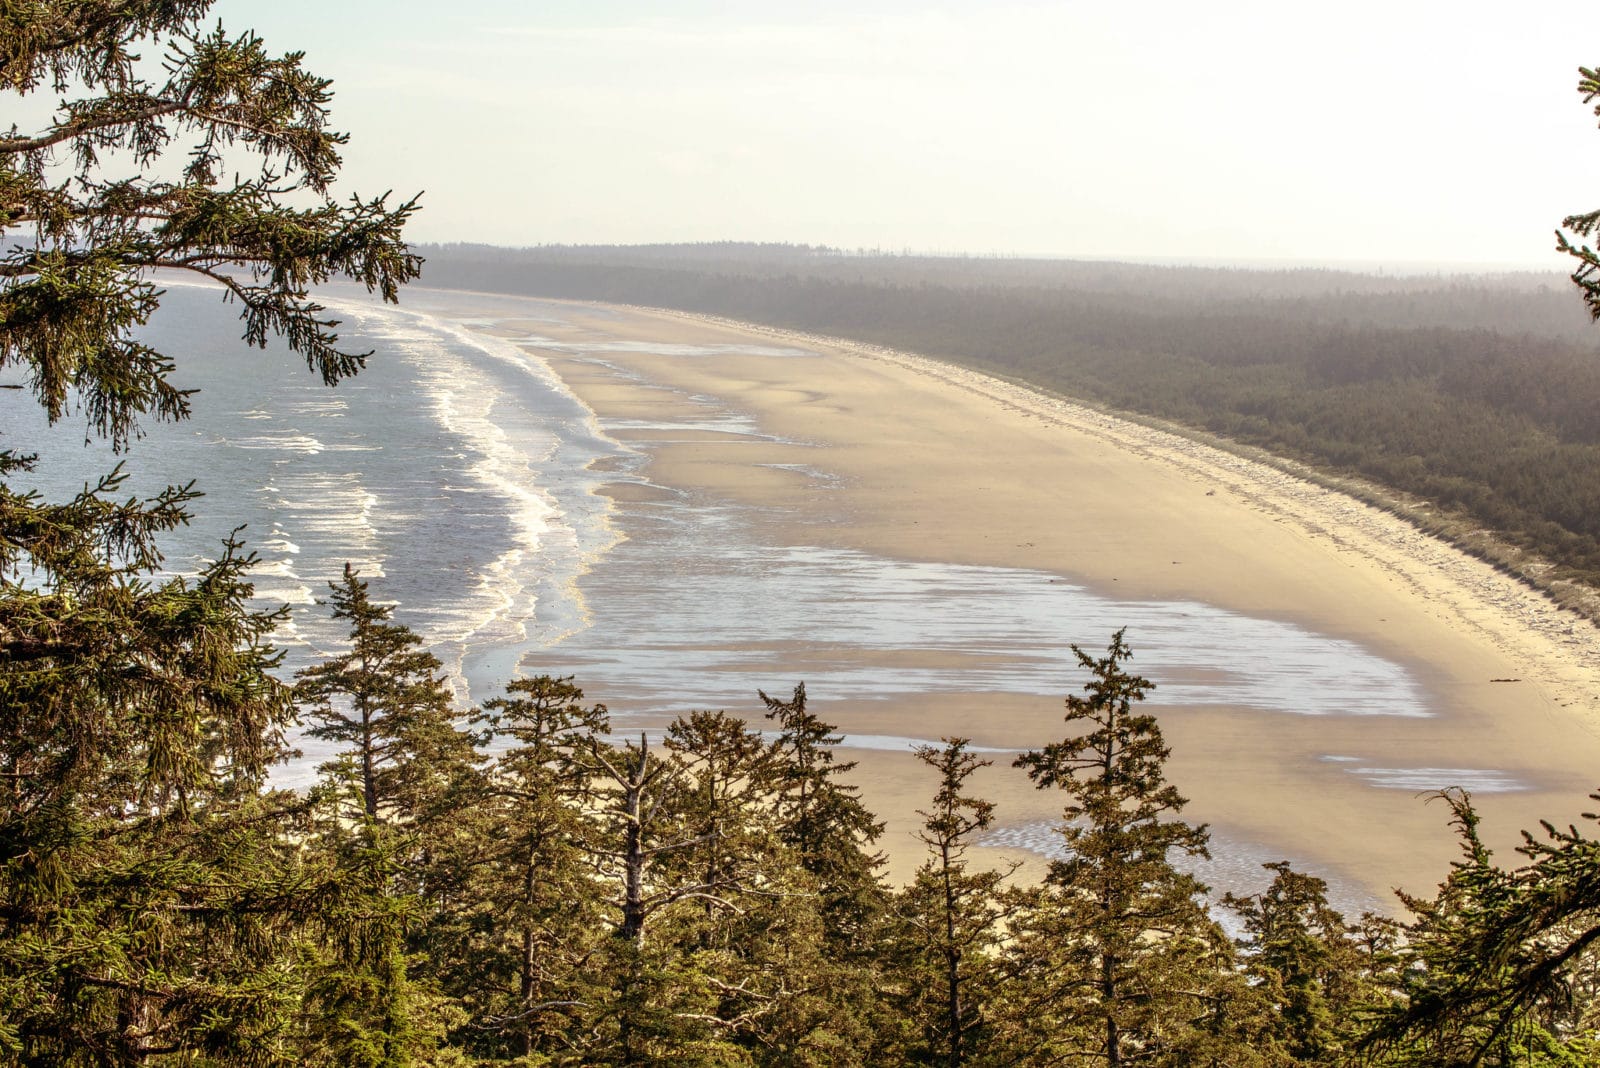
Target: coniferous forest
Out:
[513,884]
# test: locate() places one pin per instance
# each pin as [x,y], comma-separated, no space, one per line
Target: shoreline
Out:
[1131,509]
[1467,582]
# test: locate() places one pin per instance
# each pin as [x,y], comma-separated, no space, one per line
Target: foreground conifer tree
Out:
[1118,963]
[515,944]
[77,250]
[154,898]
[727,796]
[1501,967]
[784,993]
[950,922]
[146,902]
[384,703]
[389,807]
[822,818]
[1308,963]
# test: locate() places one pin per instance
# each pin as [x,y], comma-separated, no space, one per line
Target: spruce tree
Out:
[230,170]
[1115,963]
[384,703]
[823,820]
[1306,961]
[529,917]
[951,921]
[157,899]
[389,801]
[727,802]
[1500,967]
[150,892]
[653,1002]
[1586,275]
[760,946]
[642,825]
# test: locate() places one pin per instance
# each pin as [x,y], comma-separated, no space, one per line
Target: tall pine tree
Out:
[154,895]
[384,703]
[822,819]
[950,921]
[1116,963]
[516,949]
[388,802]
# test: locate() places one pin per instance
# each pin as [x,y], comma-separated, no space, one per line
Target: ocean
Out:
[450,473]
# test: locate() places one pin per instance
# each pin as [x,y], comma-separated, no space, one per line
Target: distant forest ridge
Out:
[1477,396]
[1539,303]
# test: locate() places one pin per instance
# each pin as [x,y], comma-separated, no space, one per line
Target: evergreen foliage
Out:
[1307,961]
[954,921]
[1586,275]
[147,889]
[1501,967]
[157,901]
[1118,958]
[527,918]
[383,702]
[74,282]
[822,819]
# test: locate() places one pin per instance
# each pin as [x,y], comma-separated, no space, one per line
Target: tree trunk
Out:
[634,858]
[369,777]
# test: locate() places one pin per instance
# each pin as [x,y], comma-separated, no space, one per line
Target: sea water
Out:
[451,473]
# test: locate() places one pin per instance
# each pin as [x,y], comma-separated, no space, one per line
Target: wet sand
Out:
[926,462]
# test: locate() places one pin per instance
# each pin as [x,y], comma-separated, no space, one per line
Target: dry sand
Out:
[937,463]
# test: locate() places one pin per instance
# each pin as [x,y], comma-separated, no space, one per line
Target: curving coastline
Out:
[1561,646]
[925,461]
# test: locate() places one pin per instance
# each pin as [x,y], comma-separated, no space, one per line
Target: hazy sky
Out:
[1375,132]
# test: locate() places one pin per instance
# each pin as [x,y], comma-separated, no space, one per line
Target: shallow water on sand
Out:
[688,613]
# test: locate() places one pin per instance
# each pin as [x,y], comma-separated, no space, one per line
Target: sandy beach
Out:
[888,453]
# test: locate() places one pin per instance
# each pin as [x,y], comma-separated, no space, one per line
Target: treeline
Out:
[514,886]
[1510,302]
[1479,397]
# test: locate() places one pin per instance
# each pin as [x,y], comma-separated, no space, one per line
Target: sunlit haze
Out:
[1376,133]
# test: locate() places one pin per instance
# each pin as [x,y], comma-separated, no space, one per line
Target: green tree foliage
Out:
[1502,967]
[728,781]
[155,898]
[146,889]
[762,944]
[1307,961]
[383,702]
[514,943]
[1119,962]
[361,1007]
[1586,275]
[91,201]
[640,826]
[391,805]
[952,921]
[822,818]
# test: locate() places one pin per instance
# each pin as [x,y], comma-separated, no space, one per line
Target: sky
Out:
[1361,133]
